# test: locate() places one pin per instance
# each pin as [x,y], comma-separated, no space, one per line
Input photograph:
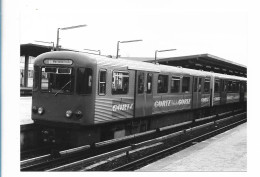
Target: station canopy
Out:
[33,49]
[205,62]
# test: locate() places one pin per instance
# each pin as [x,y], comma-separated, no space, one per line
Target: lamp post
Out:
[118,42]
[66,28]
[48,43]
[99,52]
[155,58]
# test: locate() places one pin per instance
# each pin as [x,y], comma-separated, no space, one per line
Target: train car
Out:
[229,89]
[87,98]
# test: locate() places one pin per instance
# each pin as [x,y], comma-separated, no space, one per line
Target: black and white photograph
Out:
[125,86]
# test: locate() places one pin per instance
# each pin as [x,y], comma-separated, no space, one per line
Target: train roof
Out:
[144,66]
[121,63]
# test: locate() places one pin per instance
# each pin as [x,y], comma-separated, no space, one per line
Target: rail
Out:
[140,162]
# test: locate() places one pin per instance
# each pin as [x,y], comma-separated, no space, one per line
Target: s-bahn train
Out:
[82,98]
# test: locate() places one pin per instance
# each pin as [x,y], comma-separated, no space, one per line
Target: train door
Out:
[196,96]
[143,94]
[223,92]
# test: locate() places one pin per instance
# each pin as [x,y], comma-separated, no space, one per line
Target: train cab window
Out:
[162,84]
[185,84]
[217,86]
[84,81]
[120,82]
[149,82]
[56,80]
[140,89]
[175,84]
[207,85]
[102,82]
[36,78]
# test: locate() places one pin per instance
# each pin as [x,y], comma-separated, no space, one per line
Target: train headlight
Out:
[34,109]
[40,110]
[78,114]
[68,113]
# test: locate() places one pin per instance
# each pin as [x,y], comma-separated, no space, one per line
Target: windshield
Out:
[57,80]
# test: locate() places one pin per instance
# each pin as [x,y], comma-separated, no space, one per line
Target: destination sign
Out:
[57,62]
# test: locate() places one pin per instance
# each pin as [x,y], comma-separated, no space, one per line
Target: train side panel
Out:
[117,104]
[171,102]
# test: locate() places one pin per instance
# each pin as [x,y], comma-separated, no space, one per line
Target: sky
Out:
[160,26]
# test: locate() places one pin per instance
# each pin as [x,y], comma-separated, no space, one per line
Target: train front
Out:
[62,89]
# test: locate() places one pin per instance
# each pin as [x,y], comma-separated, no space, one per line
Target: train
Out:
[81,98]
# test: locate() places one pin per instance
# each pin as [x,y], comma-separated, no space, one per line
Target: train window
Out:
[55,82]
[36,78]
[64,70]
[235,86]
[140,89]
[223,86]
[149,82]
[120,82]
[186,84]
[102,82]
[195,82]
[175,84]
[229,86]
[242,87]
[217,85]
[199,86]
[162,84]
[206,85]
[84,81]
[50,70]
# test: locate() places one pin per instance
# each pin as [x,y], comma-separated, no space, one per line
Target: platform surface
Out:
[25,110]
[226,152]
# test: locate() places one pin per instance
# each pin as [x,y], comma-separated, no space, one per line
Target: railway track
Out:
[82,158]
[37,152]
[131,166]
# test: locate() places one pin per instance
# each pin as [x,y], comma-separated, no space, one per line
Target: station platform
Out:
[226,152]
[25,110]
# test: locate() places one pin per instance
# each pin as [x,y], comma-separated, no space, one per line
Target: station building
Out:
[30,71]
[28,53]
